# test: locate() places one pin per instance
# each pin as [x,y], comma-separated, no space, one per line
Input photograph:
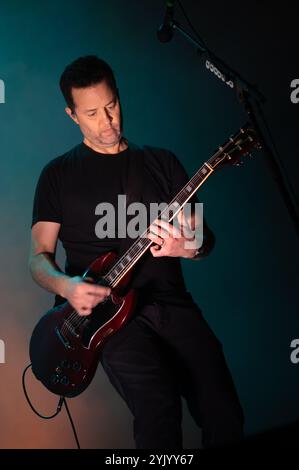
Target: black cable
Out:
[275,152]
[59,406]
[191,25]
[72,423]
[61,402]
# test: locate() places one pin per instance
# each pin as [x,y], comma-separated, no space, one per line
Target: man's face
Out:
[97,112]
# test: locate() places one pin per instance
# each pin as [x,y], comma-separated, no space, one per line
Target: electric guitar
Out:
[65,347]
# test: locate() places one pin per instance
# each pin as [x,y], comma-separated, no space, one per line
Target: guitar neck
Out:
[142,243]
[240,144]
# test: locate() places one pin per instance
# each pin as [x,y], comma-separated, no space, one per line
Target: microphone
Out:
[165,31]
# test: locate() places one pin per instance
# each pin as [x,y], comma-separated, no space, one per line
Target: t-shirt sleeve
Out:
[47,204]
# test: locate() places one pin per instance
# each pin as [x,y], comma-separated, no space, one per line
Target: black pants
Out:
[163,353]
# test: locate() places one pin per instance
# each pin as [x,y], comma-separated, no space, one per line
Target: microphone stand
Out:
[245,91]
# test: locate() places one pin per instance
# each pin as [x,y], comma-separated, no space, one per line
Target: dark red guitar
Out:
[65,347]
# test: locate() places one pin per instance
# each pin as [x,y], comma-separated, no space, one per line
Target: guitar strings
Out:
[76,320]
[222,150]
[74,316]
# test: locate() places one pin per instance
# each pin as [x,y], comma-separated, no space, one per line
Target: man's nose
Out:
[106,117]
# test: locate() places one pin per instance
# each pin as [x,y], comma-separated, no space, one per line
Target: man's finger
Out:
[99,291]
[169,229]
[162,225]
[155,230]
[85,311]
[157,240]
[156,251]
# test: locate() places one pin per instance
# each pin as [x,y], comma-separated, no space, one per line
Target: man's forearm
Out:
[47,274]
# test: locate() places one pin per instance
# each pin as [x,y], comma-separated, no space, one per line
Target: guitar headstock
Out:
[238,146]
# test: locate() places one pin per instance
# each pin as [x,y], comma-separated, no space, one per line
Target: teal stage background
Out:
[248,287]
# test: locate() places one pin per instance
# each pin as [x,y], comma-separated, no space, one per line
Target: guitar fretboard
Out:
[241,143]
[139,247]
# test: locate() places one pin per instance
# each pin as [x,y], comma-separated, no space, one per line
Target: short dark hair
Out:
[84,72]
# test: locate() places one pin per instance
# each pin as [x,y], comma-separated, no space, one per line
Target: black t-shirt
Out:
[70,188]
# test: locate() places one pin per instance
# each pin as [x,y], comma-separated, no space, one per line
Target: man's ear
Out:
[71,114]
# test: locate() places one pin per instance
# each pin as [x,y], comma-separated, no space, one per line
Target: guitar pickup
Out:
[63,339]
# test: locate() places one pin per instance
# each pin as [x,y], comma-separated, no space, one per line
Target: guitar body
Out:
[65,348]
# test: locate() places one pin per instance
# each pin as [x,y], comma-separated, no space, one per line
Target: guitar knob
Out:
[64,380]
[76,366]
[55,379]
[65,363]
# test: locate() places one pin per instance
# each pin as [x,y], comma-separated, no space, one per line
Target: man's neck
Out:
[114,149]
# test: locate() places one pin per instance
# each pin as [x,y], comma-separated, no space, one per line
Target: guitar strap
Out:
[133,187]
